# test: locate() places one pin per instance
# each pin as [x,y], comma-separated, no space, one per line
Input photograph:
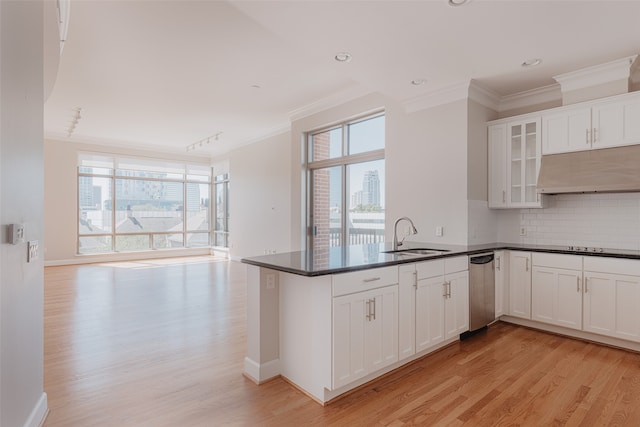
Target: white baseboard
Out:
[39,412]
[129,256]
[261,373]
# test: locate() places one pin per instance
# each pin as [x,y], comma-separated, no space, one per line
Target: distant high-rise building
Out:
[86,192]
[371,188]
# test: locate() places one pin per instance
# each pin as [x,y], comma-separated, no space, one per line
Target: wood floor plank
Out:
[162,342]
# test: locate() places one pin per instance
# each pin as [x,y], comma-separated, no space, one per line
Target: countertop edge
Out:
[417,258]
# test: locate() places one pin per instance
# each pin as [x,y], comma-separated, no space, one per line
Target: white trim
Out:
[441,96]
[484,96]
[531,97]
[327,102]
[595,75]
[129,256]
[261,373]
[39,412]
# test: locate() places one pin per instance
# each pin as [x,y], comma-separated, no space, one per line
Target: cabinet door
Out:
[616,123]
[566,131]
[349,316]
[520,284]
[430,296]
[407,311]
[556,296]
[497,144]
[611,305]
[523,166]
[499,270]
[381,330]
[456,305]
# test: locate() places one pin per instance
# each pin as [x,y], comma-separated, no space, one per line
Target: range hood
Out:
[610,170]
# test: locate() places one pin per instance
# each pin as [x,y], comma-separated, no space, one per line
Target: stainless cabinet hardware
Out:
[444,289]
[449,286]
[504,196]
[527,265]
[586,288]
[498,263]
[374,308]
[578,284]
[415,280]
[368,316]
[588,139]
[373,279]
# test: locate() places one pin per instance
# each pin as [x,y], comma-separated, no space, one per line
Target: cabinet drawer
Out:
[629,267]
[567,262]
[358,281]
[453,265]
[428,269]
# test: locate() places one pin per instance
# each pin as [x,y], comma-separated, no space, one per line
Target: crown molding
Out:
[484,96]
[530,97]
[327,102]
[437,97]
[595,75]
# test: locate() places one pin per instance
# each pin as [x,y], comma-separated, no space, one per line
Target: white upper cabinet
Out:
[599,124]
[514,163]
[498,166]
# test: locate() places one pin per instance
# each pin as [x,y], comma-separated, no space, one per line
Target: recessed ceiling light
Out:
[343,57]
[531,62]
[458,2]
[418,82]
[256,86]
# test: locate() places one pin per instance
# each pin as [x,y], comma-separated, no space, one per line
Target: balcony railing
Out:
[356,236]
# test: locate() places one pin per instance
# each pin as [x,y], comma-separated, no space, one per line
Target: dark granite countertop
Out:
[342,259]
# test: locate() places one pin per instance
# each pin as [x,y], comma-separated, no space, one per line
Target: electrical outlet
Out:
[32,251]
[523,231]
[271,281]
[439,231]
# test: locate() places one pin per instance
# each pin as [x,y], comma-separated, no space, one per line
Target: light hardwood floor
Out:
[162,343]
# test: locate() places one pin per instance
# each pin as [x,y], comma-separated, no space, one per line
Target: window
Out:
[127,204]
[221,209]
[346,173]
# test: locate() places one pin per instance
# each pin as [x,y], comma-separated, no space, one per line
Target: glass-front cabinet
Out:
[514,151]
[523,154]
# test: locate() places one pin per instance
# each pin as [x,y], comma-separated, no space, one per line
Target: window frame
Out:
[225,181]
[343,162]
[115,173]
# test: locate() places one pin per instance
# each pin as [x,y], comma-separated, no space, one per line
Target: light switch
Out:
[32,252]
[439,231]
[16,233]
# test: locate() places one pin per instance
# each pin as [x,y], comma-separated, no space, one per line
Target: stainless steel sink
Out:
[417,251]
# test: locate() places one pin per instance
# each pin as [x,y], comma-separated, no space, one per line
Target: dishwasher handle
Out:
[481,259]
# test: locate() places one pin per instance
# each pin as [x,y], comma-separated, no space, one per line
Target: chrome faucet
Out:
[412,230]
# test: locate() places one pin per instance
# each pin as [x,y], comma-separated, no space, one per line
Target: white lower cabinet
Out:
[434,303]
[520,284]
[501,273]
[365,333]
[611,305]
[556,293]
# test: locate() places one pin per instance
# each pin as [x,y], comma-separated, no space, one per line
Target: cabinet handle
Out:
[444,289]
[368,316]
[586,288]
[449,286]
[373,302]
[504,196]
[498,263]
[595,135]
[415,280]
[577,284]
[588,139]
[373,279]
[527,265]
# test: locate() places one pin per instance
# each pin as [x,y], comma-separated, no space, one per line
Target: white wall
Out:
[61,202]
[22,401]
[260,197]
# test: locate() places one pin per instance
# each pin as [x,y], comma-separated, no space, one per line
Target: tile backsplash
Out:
[600,220]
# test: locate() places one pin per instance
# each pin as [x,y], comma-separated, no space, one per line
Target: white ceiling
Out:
[163,75]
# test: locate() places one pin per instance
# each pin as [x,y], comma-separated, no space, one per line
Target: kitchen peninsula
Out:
[329,322]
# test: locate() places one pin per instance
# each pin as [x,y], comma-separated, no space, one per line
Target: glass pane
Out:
[148,206]
[325,145]
[199,178]
[365,217]
[366,135]
[129,243]
[148,174]
[94,203]
[197,240]
[94,245]
[95,170]
[221,207]
[197,207]
[327,208]
[167,241]
[221,239]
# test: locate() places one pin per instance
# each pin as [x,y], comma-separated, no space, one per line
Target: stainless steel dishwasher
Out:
[482,302]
